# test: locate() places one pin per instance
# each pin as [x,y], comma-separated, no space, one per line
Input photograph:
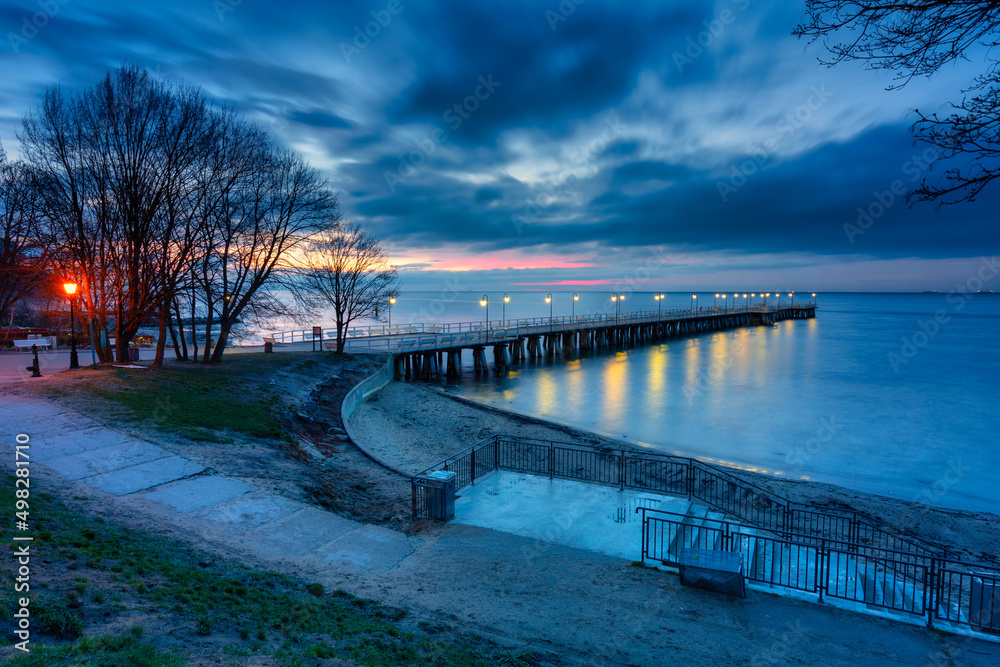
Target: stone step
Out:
[687,531]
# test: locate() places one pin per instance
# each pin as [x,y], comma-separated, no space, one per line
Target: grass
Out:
[111,574]
[200,402]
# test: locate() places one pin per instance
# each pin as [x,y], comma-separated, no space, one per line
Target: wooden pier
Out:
[426,355]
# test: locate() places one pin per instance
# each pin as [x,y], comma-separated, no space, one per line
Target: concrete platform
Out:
[145,475]
[69,437]
[196,494]
[576,514]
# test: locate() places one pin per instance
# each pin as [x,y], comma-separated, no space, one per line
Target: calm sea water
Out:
[884,393]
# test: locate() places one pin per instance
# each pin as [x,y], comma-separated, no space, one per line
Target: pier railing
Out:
[928,587]
[675,475]
[493,330]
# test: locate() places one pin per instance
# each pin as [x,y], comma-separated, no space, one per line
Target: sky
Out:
[557,145]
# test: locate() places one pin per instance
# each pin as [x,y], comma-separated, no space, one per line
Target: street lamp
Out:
[659,305]
[548,300]
[693,297]
[503,313]
[576,297]
[778,294]
[617,299]
[74,362]
[715,300]
[748,300]
[392,301]
[485,303]
[814,298]
[791,296]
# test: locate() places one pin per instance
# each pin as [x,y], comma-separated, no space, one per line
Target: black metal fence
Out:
[676,475]
[925,586]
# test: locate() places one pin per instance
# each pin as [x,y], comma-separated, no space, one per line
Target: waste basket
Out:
[269,347]
[440,486]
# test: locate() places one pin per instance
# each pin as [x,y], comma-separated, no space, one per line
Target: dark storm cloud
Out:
[528,168]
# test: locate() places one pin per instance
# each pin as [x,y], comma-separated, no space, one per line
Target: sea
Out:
[892,394]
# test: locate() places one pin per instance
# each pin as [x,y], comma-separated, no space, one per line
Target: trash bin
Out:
[440,486]
[133,354]
[269,347]
[720,571]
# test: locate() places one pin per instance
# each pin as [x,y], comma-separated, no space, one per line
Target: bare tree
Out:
[113,167]
[270,209]
[917,38]
[22,250]
[349,271]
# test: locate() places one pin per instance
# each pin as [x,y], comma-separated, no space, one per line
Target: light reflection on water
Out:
[759,397]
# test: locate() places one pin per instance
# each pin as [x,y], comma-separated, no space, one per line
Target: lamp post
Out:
[778,294]
[485,302]
[791,296]
[659,305]
[392,301]
[747,300]
[693,298]
[548,300]
[576,297]
[74,361]
[503,310]
[765,298]
[617,299]
[725,301]
[814,298]
[715,301]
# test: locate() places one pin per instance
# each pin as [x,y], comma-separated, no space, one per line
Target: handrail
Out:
[632,317]
[691,464]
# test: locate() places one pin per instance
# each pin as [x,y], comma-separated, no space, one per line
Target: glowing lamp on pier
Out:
[392,302]
[576,297]
[485,303]
[503,306]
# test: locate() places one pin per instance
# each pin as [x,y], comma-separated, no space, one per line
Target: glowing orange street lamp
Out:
[74,361]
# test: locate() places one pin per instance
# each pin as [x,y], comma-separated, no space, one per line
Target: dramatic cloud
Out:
[527,143]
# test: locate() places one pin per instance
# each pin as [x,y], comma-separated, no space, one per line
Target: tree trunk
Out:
[161,335]
[194,331]
[180,326]
[220,345]
[340,336]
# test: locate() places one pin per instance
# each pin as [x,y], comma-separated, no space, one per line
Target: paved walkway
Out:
[80,449]
[584,606]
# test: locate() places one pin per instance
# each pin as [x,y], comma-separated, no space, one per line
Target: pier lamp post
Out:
[814,298]
[503,310]
[659,305]
[765,298]
[485,303]
[725,301]
[548,300]
[74,361]
[392,301]
[791,297]
[715,301]
[747,300]
[576,297]
[778,294]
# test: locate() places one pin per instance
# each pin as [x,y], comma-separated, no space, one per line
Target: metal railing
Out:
[487,331]
[926,586]
[676,475]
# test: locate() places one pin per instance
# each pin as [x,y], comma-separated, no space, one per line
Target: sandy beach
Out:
[411,426]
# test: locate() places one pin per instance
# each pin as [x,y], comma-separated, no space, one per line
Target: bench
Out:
[26,344]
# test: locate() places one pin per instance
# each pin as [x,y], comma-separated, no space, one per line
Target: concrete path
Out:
[81,450]
[585,607]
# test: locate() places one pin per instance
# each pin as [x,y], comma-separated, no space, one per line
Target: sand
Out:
[412,426]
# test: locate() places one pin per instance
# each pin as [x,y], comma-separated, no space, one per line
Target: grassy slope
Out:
[105,595]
